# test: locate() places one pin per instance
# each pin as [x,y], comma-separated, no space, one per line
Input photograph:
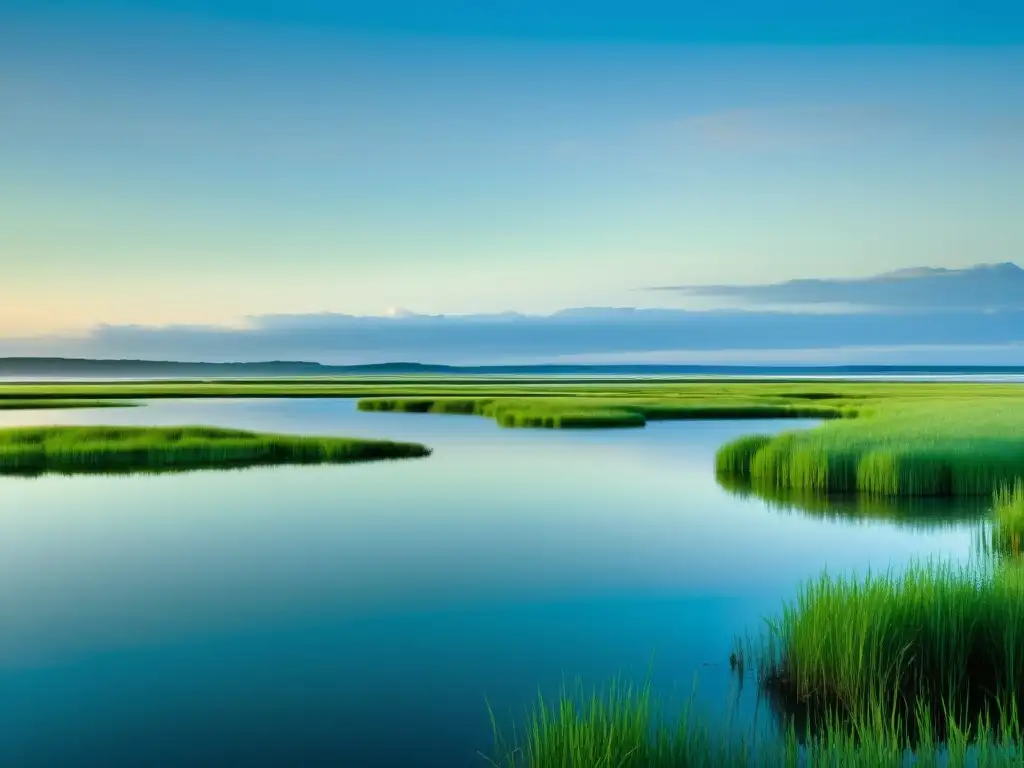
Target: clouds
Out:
[495,339]
[152,177]
[923,311]
[983,287]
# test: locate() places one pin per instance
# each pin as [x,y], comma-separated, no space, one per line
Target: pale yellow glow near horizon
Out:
[73,304]
[20,320]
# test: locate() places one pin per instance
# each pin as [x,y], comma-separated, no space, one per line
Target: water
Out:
[364,615]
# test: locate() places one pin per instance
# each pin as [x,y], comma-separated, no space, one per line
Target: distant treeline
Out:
[79,367]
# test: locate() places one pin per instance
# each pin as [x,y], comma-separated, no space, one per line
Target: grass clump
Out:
[44,404]
[1008,520]
[582,412]
[563,416]
[455,405]
[514,412]
[511,412]
[733,461]
[936,651]
[624,727]
[70,450]
[620,727]
[958,447]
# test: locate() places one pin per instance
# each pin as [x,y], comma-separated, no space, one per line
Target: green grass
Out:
[536,402]
[621,727]
[936,649]
[881,438]
[590,411]
[1007,533]
[954,446]
[455,405]
[624,727]
[71,450]
[514,412]
[43,404]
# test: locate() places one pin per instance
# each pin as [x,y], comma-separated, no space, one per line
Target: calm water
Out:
[364,615]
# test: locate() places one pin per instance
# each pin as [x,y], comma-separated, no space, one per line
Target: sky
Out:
[206,163]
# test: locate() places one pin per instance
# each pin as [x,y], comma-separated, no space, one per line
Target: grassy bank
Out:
[624,727]
[1007,532]
[939,447]
[583,411]
[624,402]
[29,405]
[620,727]
[882,438]
[36,450]
[549,403]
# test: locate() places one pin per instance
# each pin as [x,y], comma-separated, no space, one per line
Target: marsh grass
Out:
[1007,530]
[44,404]
[595,412]
[620,727]
[36,450]
[942,448]
[882,439]
[624,727]
[453,405]
[938,640]
[513,412]
[569,415]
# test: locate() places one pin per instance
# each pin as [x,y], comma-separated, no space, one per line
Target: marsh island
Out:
[98,449]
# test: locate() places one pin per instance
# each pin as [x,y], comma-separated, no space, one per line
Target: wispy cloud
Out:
[984,287]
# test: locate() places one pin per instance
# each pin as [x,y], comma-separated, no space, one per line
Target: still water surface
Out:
[364,615]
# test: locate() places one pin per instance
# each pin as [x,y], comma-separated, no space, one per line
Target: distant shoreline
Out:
[57,370]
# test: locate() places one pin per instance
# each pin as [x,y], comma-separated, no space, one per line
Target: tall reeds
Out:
[946,638]
[1008,521]
[625,727]
[944,448]
[586,411]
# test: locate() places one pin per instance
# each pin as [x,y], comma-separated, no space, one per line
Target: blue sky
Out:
[201,163]
[800,22]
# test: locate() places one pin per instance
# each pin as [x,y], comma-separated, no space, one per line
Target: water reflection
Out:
[128,469]
[912,513]
[997,545]
[352,615]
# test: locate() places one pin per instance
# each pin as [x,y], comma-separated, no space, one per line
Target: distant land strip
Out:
[59,367]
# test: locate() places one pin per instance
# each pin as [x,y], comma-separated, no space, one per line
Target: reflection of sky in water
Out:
[349,609]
